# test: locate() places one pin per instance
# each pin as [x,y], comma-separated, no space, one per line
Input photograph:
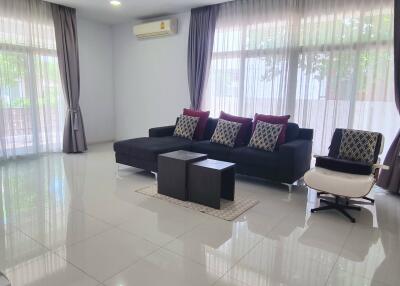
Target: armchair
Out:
[349,171]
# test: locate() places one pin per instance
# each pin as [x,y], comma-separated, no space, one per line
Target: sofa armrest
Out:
[295,159]
[306,134]
[162,131]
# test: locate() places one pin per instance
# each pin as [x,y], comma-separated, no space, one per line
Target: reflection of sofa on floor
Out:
[285,165]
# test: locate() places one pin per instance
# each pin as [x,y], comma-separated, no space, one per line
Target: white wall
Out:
[97,96]
[150,79]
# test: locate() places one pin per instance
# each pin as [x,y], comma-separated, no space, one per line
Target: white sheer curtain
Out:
[31,100]
[327,63]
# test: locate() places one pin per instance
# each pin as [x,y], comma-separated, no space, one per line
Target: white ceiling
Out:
[101,10]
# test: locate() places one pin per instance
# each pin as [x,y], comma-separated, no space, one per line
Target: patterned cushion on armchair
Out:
[352,151]
[358,145]
[338,137]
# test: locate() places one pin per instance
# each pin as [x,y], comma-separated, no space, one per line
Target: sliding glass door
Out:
[31,99]
[32,109]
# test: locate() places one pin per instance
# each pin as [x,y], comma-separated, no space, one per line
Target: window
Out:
[31,98]
[328,64]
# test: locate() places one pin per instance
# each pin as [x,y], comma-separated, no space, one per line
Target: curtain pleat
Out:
[329,64]
[74,139]
[31,97]
[200,46]
[390,179]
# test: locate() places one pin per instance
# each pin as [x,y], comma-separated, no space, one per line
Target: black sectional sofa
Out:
[286,164]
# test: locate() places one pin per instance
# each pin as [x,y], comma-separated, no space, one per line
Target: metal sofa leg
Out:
[117,169]
[300,182]
[290,186]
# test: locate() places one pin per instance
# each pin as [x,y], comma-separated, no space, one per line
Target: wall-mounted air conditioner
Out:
[156,29]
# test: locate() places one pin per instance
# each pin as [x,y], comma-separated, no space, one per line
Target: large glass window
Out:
[328,64]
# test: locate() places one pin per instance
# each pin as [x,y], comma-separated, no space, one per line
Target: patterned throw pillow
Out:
[265,136]
[186,126]
[358,145]
[226,132]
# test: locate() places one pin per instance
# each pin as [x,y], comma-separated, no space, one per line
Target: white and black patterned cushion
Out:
[186,126]
[265,136]
[226,132]
[358,145]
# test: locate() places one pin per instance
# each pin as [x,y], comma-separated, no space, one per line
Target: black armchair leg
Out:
[322,208]
[369,199]
[337,206]
[346,214]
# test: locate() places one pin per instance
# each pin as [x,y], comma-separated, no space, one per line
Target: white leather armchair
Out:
[355,181]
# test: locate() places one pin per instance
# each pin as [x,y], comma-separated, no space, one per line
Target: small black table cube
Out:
[172,172]
[209,181]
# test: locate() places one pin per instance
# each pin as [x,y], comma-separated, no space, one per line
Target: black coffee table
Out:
[209,181]
[172,172]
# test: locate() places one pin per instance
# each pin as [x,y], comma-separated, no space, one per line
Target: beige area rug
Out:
[229,210]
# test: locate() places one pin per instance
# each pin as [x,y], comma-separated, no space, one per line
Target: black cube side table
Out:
[172,172]
[209,181]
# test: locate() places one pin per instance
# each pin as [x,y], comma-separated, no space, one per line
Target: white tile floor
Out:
[74,220]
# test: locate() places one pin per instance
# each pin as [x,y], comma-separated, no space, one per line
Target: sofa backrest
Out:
[292,131]
[211,125]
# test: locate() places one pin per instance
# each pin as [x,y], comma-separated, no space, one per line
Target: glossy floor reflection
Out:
[76,220]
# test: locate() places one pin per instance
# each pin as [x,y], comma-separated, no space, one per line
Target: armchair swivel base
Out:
[337,205]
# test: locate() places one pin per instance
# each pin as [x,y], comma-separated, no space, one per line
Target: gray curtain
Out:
[390,179]
[200,46]
[74,140]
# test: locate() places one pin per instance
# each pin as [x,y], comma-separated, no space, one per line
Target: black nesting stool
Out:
[209,181]
[172,172]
